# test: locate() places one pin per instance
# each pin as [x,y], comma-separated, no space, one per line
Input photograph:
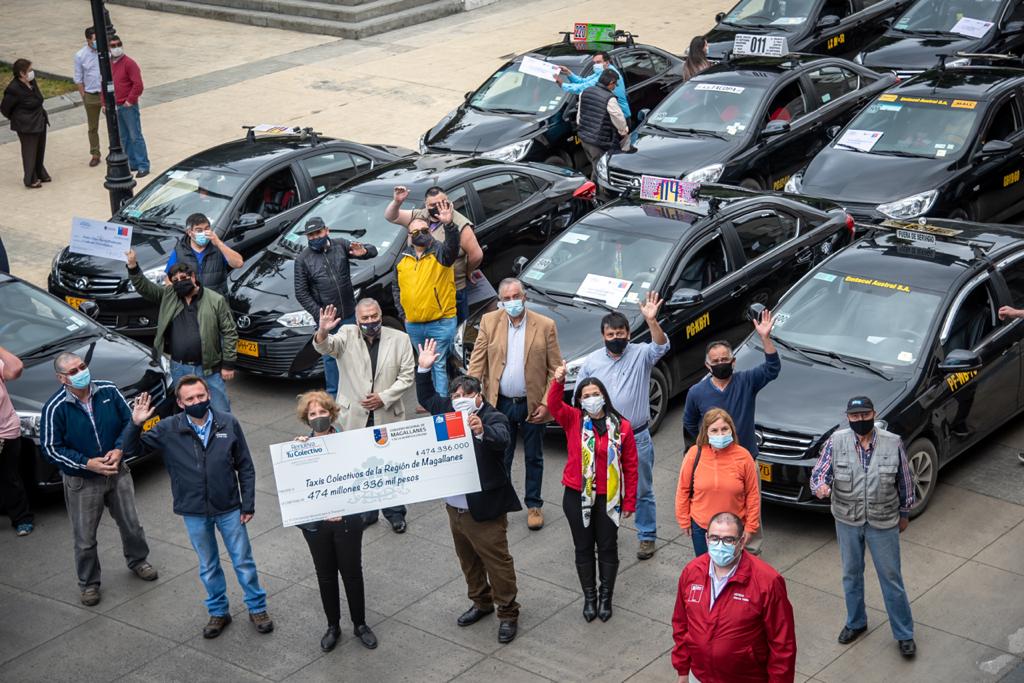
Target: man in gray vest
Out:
[864,469]
[205,251]
[600,122]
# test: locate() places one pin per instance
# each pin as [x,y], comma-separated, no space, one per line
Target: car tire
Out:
[924,473]
[659,398]
[751,184]
[557,160]
[960,215]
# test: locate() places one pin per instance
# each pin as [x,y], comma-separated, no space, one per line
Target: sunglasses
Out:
[420,231]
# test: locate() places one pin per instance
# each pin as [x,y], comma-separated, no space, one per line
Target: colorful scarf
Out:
[613,486]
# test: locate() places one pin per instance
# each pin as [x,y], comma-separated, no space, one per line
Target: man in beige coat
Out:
[376,367]
[515,356]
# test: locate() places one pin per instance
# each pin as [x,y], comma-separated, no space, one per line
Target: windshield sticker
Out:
[781,318]
[940,153]
[964,104]
[877,283]
[826,97]
[174,175]
[541,110]
[611,290]
[903,23]
[645,285]
[534,275]
[975,28]
[827,277]
[632,298]
[876,340]
[574,237]
[789,21]
[385,245]
[718,87]
[667,119]
[863,140]
[889,107]
[905,357]
[887,97]
[132,213]
[321,188]
[959,379]
[698,325]
[542,264]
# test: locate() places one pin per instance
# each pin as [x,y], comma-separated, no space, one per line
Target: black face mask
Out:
[422,239]
[183,287]
[616,346]
[862,427]
[197,410]
[434,212]
[371,329]
[721,370]
[320,424]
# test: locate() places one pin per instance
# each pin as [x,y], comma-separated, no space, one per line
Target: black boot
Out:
[604,605]
[589,584]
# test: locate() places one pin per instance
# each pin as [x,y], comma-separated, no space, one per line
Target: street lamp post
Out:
[119,181]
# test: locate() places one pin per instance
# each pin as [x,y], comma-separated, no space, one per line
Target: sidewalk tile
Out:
[186,664]
[1006,552]
[492,669]
[649,587]
[30,620]
[950,523]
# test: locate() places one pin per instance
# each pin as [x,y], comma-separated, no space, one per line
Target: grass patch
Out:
[50,86]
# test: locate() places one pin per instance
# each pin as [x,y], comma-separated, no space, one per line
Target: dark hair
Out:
[717,342]
[583,384]
[434,190]
[20,66]
[614,321]
[196,219]
[468,384]
[112,37]
[608,77]
[89,32]
[603,55]
[189,380]
[728,516]
[696,58]
[180,267]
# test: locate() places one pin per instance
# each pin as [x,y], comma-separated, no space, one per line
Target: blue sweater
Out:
[69,438]
[738,400]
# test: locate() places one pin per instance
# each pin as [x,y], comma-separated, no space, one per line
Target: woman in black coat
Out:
[23,105]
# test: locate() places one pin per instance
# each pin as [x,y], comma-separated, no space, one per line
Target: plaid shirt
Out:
[203,430]
[822,472]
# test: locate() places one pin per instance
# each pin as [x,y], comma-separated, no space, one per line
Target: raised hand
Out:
[142,408]
[445,212]
[328,318]
[356,249]
[476,425]
[400,194]
[428,354]
[650,307]
[129,257]
[763,326]
[560,373]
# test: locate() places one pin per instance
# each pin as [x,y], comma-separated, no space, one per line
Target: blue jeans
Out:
[461,305]
[236,540]
[441,331]
[533,446]
[129,128]
[700,539]
[885,552]
[331,374]
[646,522]
[218,392]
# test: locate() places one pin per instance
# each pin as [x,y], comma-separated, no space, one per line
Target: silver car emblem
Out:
[244,321]
[81,283]
[635,182]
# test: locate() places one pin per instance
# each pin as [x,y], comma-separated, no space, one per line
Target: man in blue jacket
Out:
[81,432]
[577,84]
[213,485]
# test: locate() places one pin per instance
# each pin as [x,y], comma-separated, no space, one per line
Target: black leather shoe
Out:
[507,632]
[330,638]
[473,615]
[366,637]
[848,635]
[398,526]
[908,648]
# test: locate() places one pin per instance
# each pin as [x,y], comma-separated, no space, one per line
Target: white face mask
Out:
[592,404]
[465,404]
[30,76]
[116,52]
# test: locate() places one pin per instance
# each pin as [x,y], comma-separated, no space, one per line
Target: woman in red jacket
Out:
[600,483]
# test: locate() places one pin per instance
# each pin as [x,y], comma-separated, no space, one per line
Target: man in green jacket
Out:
[194,328]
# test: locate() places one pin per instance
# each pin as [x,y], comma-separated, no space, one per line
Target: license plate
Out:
[765,470]
[248,348]
[150,423]
[74,301]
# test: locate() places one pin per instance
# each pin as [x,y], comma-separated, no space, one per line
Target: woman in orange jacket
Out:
[717,475]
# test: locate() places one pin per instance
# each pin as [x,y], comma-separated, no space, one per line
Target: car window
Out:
[176,194]
[276,193]
[659,62]
[972,320]
[525,185]
[460,202]
[832,82]
[349,215]
[331,169]
[761,232]
[911,125]
[861,5]
[1003,125]
[497,193]
[788,105]
[1013,273]
[1016,14]
[943,15]
[636,66]
[703,267]
[30,319]
[837,8]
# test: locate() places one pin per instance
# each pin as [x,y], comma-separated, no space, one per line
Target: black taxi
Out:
[709,259]
[947,143]
[908,316]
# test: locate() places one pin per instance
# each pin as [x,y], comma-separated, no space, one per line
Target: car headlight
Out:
[881,424]
[457,349]
[56,259]
[158,276]
[29,424]
[909,207]
[423,144]
[515,152]
[296,319]
[958,62]
[707,174]
[795,183]
[601,169]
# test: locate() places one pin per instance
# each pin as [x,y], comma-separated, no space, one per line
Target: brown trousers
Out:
[490,573]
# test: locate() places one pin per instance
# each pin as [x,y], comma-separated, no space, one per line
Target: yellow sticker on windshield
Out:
[877,283]
[924,100]
[887,97]
[964,104]
[959,379]
[698,325]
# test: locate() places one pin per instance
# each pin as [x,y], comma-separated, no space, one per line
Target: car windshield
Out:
[179,192]
[911,126]
[784,15]
[30,319]
[512,91]
[858,316]
[703,105]
[610,265]
[350,215]
[950,16]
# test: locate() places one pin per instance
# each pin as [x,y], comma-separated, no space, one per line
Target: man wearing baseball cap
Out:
[864,469]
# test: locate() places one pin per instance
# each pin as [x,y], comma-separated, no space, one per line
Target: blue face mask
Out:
[93,44]
[514,307]
[722,554]
[318,244]
[720,441]
[201,239]
[598,68]
[81,379]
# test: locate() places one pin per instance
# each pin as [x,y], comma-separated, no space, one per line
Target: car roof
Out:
[758,70]
[421,172]
[969,82]
[243,156]
[579,54]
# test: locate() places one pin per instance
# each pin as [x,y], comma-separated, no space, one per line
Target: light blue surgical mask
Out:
[721,554]
[598,68]
[720,441]
[514,307]
[81,379]
[201,239]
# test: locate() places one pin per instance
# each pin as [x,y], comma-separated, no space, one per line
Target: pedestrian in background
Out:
[696,58]
[13,498]
[128,89]
[22,104]
[600,480]
[377,366]
[571,83]
[213,486]
[81,432]
[864,469]
[717,474]
[202,249]
[335,543]
[515,357]
[90,85]
[323,278]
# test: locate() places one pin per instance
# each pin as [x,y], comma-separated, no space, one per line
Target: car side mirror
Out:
[1014,27]
[248,221]
[642,115]
[828,21]
[719,17]
[833,131]
[776,127]
[467,95]
[995,148]
[960,360]
[754,312]
[684,298]
[89,308]
[519,265]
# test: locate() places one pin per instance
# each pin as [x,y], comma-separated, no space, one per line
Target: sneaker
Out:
[145,571]
[645,551]
[91,596]
[535,519]
[216,626]
[262,620]
[24,529]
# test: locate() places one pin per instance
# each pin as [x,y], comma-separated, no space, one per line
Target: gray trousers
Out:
[86,499]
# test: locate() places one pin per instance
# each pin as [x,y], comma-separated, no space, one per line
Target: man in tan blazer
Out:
[376,366]
[515,356]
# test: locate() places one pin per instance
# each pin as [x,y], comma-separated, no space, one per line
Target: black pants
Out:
[338,547]
[33,148]
[593,153]
[602,533]
[13,499]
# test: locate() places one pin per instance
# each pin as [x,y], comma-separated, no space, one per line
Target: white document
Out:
[539,68]
[974,28]
[765,46]
[863,140]
[100,238]
[610,290]
[376,467]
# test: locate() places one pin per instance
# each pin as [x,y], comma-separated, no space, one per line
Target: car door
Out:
[276,196]
[1010,37]
[830,38]
[510,221]
[326,169]
[774,255]
[643,88]
[779,155]
[1000,185]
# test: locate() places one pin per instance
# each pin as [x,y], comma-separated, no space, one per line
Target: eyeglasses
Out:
[728,540]
[71,372]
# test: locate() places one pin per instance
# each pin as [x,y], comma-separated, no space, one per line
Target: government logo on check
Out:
[449,426]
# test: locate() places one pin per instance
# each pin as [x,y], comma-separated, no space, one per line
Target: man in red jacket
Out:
[733,622]
[128,88]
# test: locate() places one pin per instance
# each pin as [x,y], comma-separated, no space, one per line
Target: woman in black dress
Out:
[23,105]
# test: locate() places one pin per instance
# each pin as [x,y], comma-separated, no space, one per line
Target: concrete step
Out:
[402,13]
[317,9]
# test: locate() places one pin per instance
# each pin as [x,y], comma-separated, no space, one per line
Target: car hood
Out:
[843,175]
[900,52]
[152,249]
[793,402]
[471,130]
[670,156]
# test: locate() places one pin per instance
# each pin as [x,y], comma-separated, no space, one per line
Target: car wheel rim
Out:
[923,474]
[656,398]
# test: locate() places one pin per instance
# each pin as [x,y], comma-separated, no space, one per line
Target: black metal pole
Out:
[119,181]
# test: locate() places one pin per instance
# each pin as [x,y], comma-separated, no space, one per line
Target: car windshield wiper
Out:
[797,349]
[504,110]
[151,222]
[540,290]
[898,153]
[701,131]
[356,232]
[850,147]
[577,297]
[58,343]
[670,131]
[847,360]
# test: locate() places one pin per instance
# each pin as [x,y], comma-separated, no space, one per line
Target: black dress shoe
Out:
[330,638]
[366,637]
[507,632]
[473,615]
[142,174]
[848,635]
[398,526]
[908,648]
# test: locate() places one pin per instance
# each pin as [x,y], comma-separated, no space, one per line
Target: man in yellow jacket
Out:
[425,288]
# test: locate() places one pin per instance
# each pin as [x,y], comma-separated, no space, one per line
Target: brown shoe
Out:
[535,519]
[91,596]
[145,571]
[216,626]
[645,551]
[262,620]
[95,161]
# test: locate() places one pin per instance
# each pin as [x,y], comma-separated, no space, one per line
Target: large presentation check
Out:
[372,468]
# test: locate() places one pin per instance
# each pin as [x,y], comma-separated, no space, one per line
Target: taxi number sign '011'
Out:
[764,46]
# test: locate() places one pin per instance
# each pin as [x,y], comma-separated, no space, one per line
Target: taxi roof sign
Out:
[670,190]
[746,44]
[921,231]
[585,32]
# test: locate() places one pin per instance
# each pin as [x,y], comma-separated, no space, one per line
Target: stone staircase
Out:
[342,18]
